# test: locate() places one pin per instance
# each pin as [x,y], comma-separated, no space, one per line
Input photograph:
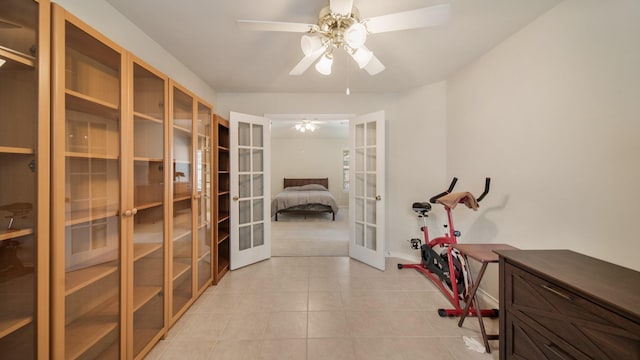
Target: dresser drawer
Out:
[569,323]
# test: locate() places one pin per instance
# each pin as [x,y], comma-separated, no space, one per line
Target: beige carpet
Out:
[313,235]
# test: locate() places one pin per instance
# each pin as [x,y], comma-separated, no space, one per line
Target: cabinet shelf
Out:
[141,116]
[78,279]
[6,234]
[142,250]
[149,205]
[179,233]
[144,294]
[222,216]
[84,155]
[8,326]
[222,236]
[180,267]
[17,57]
[181,198]
[202,253]
[88,330]
[83,216]
[148,159]
[16,150]
[223,148]
[87,104]
[182,129]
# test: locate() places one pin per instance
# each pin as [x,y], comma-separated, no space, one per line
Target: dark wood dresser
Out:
[558,304]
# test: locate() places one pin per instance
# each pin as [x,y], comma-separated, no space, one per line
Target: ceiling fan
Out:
[339,26]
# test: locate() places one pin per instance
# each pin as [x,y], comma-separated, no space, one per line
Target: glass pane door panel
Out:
[244,134]
[359,160]
[258,210]
[245,212]
[244,160]
[359,234]
[244,237]
[258,135]
[371,237]
[371,211]
[258,234]
[359,134]
[258,160]
[371,185]
[148,199]
[371,133]
[371,159]
[245,186]
[203,188]
[258,185]
[182,235]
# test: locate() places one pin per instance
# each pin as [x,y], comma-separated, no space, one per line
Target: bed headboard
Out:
[299,182]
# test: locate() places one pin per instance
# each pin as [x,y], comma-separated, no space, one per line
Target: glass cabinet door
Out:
[182,243]
[23,166]
[203,194]
[87,170]
[149,92]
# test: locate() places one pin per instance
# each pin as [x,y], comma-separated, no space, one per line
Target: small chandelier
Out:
[304,126]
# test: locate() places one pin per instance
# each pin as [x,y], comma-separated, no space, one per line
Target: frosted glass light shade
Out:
[362,56]
[324,65]
[355,35]
[310,44]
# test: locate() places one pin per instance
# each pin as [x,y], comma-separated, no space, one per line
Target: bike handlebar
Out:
[487,184]
[449,190]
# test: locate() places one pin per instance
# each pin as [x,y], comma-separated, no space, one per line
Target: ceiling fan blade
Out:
[374,66]
[257,25]
[412,19]
[342,7]
[307,61]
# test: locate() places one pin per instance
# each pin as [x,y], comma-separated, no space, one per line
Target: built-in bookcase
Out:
[24,189]
[223,200]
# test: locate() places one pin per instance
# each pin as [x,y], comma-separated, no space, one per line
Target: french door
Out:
[367,192]
[250,189]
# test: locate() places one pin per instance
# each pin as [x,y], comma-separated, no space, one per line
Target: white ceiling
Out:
[203,35]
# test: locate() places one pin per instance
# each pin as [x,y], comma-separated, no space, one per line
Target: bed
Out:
[304,196]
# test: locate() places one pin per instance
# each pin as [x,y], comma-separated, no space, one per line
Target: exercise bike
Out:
[447,269]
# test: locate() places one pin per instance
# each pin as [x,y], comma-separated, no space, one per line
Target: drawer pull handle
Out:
[557,292]
[557,351]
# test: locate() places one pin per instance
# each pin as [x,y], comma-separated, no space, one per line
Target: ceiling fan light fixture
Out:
[356,35]
[324,64]
[305,126]
[362,56]
[310,44]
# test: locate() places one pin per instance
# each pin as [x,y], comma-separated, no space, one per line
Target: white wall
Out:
[553,116]
[108,21]
[309,157]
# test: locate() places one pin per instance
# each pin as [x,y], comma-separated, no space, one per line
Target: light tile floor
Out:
[321,308]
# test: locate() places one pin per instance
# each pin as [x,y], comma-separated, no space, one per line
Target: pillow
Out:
[308,187]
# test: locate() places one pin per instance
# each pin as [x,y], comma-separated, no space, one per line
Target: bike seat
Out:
[421,207]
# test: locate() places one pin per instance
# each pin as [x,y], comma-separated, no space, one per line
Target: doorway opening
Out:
[317,151]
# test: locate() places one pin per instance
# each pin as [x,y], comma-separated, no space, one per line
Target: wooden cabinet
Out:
[203,188]
[89,220]
[191,232]
[24,190]
[222,206]
[558,304]
[146,249]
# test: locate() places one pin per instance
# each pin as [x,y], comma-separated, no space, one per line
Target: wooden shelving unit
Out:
[87,176]
[24,189]
[147,310]
[222,207]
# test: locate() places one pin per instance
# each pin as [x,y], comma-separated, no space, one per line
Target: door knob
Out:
[378,197]
[235,198]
